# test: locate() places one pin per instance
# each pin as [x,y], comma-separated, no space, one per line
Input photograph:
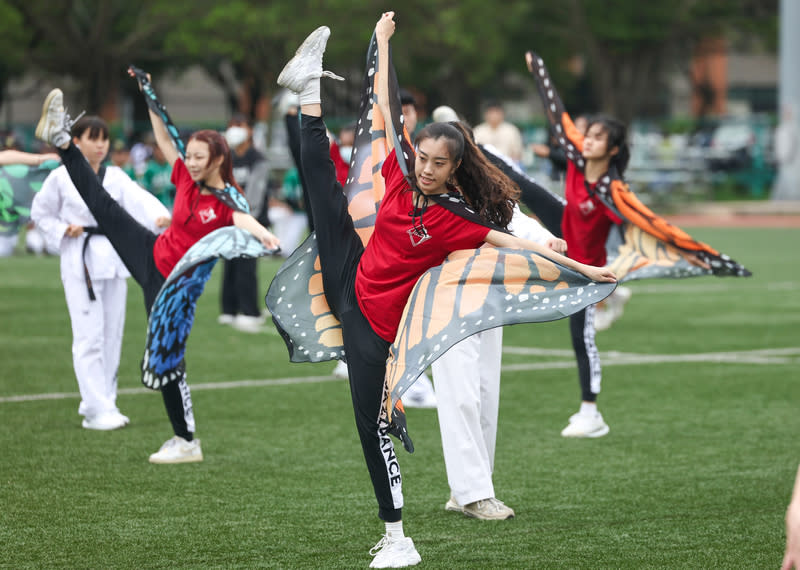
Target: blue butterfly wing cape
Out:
[19,184]
[172,314]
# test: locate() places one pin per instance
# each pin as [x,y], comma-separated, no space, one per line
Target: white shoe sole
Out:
[41,126]
[597,433]
[177,460]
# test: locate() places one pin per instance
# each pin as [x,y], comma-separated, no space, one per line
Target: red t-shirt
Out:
[391,265]
[193,216]
[586,220]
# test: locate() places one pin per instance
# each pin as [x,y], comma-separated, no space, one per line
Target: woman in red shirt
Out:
[367,287]
[149,257]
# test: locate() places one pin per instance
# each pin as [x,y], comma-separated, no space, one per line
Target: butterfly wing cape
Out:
[19,184]
[647,246]
[172,314]
[296,297]
[477,290]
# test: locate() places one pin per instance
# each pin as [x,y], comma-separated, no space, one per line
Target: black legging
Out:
[134,245]
[581,328]
[293,134]
[340,250]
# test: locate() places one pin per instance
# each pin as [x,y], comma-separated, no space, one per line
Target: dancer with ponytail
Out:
[367,286]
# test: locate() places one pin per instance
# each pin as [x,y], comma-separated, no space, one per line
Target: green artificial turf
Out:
[696,471]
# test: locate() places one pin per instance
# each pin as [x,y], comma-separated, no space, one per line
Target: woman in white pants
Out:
[467,382]
[92,273]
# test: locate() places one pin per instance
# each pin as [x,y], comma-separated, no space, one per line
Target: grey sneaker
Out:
[54,124]
[307,62]
[452,505]
[489,510]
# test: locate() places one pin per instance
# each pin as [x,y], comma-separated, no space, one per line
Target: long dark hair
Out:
[485,188]
[617,137]
[217,146]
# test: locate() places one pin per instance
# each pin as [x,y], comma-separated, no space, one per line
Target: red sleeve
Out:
[180,176]
[393,177]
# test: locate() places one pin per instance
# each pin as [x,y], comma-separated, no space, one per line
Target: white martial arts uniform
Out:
[96,325]
[467,382]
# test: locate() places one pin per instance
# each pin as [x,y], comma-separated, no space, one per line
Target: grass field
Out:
[700,389]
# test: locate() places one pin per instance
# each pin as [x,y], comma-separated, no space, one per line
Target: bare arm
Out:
[18,157]
[500,239]
[384,30]
[163,140]
[249,223]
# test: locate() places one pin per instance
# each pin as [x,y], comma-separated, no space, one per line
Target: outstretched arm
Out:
[567,136]
[384,30]
[249,223]
[599,274]
[12,156]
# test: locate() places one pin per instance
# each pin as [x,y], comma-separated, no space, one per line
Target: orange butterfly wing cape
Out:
[471,291]
[647,246]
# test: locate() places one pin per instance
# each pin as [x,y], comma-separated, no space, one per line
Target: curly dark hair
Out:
[485,188]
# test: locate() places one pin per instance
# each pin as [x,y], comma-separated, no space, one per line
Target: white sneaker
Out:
[586,425]
[307,62]
[452,505]
[225,319]
[490,509]
[178,450]
[341,370]
[614,308]
[105,422]
[394,553]
[420,394]
[248,323]
[54,124]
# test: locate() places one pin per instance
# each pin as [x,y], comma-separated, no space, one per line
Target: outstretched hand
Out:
[384,29]
[529,60]
[599,274]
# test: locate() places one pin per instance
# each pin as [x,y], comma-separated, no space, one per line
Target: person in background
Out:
[156,177]
[93,275]
[239,298]
[409,106]
[34,241]
[496,131]
[120,156]
[342,151]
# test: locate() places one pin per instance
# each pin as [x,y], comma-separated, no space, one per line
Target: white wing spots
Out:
[522,298]
[562,298]
[546,82]
[540,62]
[371,71]
[559,129]
[549,93]
[553,107]
[279,299]
[606,179]
[541,72]
[320,354]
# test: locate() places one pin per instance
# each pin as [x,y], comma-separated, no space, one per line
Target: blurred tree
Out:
[14,39]
[93,41]
[629,45]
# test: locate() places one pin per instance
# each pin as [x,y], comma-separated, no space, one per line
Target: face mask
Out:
[346,152]
[236,136]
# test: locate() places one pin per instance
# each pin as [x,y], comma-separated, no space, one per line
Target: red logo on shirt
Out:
[207,215]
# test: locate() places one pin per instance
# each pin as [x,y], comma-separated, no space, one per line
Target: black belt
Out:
[90,231]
